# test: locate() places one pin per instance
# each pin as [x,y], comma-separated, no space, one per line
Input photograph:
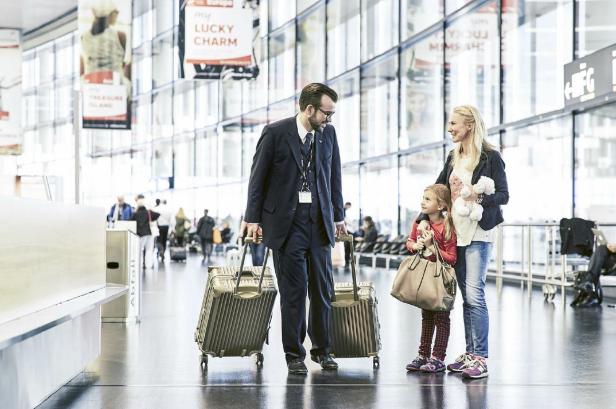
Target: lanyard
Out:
[305,187]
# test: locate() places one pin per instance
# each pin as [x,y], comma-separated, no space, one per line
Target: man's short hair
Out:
[312,93]
[140,196]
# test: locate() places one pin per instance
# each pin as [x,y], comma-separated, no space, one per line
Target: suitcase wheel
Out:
[376,362]
[204,362]
[259,360]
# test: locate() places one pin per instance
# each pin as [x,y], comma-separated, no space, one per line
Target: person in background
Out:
[164,221]
[205,231]
[120,211]
[226,234]
[182,225]
[144,217]
[369,231]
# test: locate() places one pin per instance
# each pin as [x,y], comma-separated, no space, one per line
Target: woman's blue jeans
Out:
[471,270]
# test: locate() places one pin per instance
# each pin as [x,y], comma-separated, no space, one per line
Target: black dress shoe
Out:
[297,367]
[326,361]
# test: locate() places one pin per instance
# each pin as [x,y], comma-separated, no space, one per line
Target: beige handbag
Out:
[425,284]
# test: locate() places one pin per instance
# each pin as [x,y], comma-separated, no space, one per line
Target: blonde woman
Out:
[475,173]
[182,224]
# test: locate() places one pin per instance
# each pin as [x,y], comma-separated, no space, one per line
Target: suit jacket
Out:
[275,181]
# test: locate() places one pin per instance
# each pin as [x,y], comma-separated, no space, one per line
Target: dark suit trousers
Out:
[303,265]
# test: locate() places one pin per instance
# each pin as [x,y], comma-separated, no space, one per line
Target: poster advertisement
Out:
[11,141]
[216,38]
[105,63]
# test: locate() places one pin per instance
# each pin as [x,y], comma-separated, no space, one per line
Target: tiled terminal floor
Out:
[542,355]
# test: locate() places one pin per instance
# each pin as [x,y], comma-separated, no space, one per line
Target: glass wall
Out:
[399,66]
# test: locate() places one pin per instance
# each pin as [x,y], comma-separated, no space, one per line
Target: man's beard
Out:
[316,125]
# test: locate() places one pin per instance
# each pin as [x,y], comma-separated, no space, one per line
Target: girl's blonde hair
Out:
[472,117]
[181,214]
[443,198]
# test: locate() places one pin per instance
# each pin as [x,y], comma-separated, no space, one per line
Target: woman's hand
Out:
[612,247]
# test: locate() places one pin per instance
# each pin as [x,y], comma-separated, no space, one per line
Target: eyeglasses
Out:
[328,114]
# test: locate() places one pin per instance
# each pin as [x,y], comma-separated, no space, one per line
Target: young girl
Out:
[439,230]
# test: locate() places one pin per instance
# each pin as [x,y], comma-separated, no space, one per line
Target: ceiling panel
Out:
[30,14]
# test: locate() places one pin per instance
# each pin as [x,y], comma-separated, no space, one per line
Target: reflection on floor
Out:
[541,355]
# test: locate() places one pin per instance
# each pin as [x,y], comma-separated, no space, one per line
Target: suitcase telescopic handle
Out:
[247,241]
[349,238]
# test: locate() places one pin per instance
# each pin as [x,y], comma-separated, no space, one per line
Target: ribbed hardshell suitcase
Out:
[355,328]
[235,316]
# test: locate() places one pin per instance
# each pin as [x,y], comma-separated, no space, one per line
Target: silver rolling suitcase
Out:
[236,311]
[355,328]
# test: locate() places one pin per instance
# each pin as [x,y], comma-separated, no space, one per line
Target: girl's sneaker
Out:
[433,365]
[477,369]
[417,363]
[461,362]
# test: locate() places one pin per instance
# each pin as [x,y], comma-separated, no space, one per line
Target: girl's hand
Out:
[418,246]
[427,238]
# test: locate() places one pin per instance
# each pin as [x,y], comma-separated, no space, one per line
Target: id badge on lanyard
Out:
[304,194]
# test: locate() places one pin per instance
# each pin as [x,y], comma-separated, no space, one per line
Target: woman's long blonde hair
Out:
[472,117]
[443,198]
[181,214]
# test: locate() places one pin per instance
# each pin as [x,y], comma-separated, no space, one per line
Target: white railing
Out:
[558,268]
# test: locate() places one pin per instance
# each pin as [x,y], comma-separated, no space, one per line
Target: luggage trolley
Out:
[236,312]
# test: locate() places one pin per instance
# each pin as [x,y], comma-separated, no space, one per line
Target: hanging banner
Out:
[216,38]
[105,63]
[11,141]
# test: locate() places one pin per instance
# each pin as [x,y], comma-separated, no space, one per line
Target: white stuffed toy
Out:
[472,209]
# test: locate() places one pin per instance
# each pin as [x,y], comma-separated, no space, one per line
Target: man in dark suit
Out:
[295,203]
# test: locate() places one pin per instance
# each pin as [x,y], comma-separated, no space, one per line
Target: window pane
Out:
[30,110]
[231,98]
[379,116]
[419,14]
[120,172]
[417,171]
[162,60]
[282,64]
[304,4]
[281,110]
[142,120]
[65,61]
[64,101]
[162,104]
[183,107]
[280,11]
[252,126]
[29,67]
[538,164]
[162,160]
[142,69]
[533,56]
[379,194]
[142,168]
[346,120]
[207,103]
[471,45]
[255,90]
[453,5]
[422,90]
[207,156]
[595,25]
[350,193]
[311,48]
[229,208]
[343,36]
[595,165]
[230,165]
[45,63]
[45,102]
[184,161]
[163,10]
[379,27]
